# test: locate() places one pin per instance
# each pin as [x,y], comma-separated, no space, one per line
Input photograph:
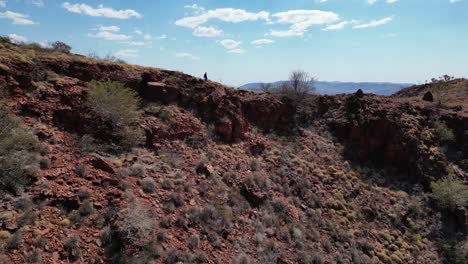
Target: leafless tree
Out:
[299,86]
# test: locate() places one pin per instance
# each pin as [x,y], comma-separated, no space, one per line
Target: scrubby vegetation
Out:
[117,106]
[443,132]
[17,159]
[450,193]
[184,197]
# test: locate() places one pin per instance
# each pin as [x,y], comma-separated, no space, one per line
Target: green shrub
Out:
[443,132]
[17,162]
[117,106]
[114,103]
[450,193]
[148,185]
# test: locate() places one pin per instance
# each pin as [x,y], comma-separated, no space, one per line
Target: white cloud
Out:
[285,33]
[138,43]
[237,51]
[109,28]
[262,41]
[209,32]
[186,56]
[110,36]
[224,14]
[138,32]
[230,44]
[39,3]
[3,3]
[339,25]
[455,1]
[101,11]
[374,23]
[196,8]
[163,36]
[301,20]
[127,53]
[147,37]
[17,18]
[17,38]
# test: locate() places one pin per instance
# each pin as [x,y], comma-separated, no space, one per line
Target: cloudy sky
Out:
[241,41]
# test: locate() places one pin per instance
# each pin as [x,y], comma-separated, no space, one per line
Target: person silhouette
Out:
[205,76]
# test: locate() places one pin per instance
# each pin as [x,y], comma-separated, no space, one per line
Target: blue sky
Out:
[241,41]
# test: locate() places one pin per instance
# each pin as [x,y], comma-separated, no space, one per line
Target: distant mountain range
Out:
[330,88]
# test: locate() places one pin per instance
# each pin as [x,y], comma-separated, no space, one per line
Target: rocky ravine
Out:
[236,177]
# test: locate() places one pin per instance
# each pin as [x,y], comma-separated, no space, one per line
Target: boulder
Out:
[359,93]
[428,97]
[103,165]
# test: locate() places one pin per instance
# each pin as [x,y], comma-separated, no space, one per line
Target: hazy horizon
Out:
[239,42]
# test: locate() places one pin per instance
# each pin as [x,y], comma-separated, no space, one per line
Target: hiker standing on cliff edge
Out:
[205,76]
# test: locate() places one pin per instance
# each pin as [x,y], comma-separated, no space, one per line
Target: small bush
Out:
[81,171]
[135,223]
[148,185]
[44,163]
[193,242]
[167,184]
[72,247]
[122,173]
[17,160]
[255,165]
[28,218]
[242,259]
[137,170]
[83,194]
[15,241]
[117,106]
[61,47]
[165,222]
[23,203]
[86,209]
[34,257]
[214,240]
[177,199]
[450,193]
[443,132]
[114,103]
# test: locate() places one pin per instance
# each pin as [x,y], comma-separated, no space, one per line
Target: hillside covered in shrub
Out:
[106,162]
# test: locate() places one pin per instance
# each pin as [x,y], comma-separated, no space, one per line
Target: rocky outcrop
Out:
[377,128]
[387,132]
